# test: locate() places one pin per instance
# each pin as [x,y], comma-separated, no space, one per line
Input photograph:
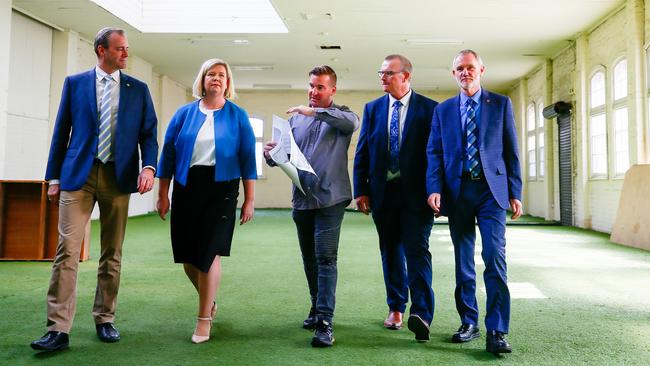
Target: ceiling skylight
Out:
[197,16]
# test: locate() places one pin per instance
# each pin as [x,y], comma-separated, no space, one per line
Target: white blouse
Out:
[203,153]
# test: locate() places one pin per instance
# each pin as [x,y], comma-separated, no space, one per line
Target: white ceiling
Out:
[513,37]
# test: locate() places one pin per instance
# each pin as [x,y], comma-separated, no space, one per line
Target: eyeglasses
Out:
[387,73]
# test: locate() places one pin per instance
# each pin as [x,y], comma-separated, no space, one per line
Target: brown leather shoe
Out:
[393,320]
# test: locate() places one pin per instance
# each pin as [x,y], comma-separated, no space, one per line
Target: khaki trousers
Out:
[75,208]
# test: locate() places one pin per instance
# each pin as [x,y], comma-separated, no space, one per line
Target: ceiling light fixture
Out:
[252,67]
[272,86]
[433,42]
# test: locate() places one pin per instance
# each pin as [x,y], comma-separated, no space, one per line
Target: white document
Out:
[286,154]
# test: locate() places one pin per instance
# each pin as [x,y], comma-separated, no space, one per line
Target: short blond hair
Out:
[197,88]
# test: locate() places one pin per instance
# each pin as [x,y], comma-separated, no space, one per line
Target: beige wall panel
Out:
[631,227]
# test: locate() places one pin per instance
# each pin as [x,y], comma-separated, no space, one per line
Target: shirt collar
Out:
[101,74]
[476,97]
[405,99]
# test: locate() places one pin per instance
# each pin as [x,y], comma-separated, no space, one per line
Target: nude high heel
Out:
[201,338]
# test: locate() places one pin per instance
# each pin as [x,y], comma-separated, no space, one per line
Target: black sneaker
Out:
[323,336]
[311,320]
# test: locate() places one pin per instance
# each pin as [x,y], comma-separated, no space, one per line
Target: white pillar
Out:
[581,119]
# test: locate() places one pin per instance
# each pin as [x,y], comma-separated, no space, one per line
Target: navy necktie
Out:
[394,138]
[473,162]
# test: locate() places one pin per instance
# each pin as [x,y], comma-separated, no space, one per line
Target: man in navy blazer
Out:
[473,174]
[389,180]
[104,117]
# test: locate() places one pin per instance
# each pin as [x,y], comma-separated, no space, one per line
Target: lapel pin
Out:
[487,100]
[127,84]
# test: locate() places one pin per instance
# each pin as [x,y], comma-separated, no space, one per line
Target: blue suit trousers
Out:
[406,260]
[476,204]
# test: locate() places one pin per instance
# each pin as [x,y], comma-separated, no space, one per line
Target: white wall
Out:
[5,44]
[28,103]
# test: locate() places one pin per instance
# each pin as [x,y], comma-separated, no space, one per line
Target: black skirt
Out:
[203,217]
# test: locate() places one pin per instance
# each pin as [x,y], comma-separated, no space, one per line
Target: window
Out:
[258,131]
[531,125]
[620,80]
[621,137]
[598,143]
[597,126]
[598,89]
[540,138]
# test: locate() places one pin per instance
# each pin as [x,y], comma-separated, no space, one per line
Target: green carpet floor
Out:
[595,305]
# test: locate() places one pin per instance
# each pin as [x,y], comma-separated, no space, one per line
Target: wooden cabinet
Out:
[28,222]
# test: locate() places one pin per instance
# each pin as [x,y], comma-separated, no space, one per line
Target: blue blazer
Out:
[233,138]
[76,130]
[498,150]
[371,159]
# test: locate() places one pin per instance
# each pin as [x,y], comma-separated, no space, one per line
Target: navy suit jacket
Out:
[498,150]
[371,159]
[76,130]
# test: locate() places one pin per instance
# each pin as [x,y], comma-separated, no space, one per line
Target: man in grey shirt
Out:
[322,131]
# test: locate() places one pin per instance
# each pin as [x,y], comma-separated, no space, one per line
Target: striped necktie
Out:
[473,162]
[104,144]
[393,147]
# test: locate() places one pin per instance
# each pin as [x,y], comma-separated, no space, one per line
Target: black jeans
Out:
[318,235]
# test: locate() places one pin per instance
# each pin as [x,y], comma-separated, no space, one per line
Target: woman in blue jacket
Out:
[209,146]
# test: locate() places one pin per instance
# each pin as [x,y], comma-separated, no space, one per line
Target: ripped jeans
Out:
[318,235]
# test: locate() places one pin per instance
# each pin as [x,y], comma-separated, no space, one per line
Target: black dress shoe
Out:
[419,327]
[496,343]
[311,320]
[324,335]
[52,341]
[466,333]
[107,332]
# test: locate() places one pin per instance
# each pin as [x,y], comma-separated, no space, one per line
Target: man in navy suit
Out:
[473,174]
[389,180]
[104,116]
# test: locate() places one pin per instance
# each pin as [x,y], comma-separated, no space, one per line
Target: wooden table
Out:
[28,222]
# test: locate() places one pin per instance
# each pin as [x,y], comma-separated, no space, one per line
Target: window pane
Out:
[598,89]
[541,161]
[621,141]
[540,144]
[259,157]
[620,80]
[598,140]
[258,127]
[532,167]
[530,115]
[540,114]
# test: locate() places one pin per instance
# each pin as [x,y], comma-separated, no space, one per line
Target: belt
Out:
[99,162]
[468,176]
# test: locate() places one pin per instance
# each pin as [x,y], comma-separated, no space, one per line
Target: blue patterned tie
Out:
[394,138]
[104,144]
[473,163]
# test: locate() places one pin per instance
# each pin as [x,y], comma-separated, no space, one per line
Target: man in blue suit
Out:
[473,174]
[104,116]
[389,180]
